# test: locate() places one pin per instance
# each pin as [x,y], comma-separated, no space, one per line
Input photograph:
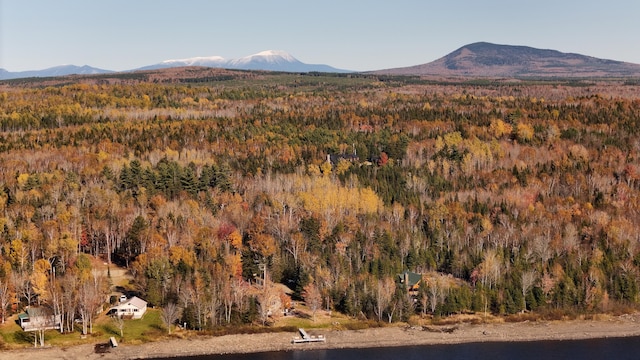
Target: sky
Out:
[354,35]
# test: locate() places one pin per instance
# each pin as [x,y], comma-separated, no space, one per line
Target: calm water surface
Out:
[611,348]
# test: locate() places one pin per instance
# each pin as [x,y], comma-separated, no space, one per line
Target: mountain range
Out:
[270,60]
[480,59]
[61,70]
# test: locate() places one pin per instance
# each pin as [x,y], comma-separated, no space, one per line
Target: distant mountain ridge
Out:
[270,60]
[61,70]
[481,59]
[484,59]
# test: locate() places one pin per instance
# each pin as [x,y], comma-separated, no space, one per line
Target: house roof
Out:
[39,311]
[412,278]
[137,302]
[335,158]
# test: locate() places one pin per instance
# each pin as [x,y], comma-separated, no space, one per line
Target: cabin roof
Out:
[412,277]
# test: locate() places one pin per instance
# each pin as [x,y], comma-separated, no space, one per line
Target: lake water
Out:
[592,349]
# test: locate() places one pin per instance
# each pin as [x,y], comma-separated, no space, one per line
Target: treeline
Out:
[504,203]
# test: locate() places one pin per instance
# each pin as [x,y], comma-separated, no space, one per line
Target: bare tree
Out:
[38,334]
[69,301]
[313,298]
[438,289]
[118,321]
[266,300]
[213,304]
[56,293]
[384,293]
[4,298]
[490,269]
[528,279]
[296,245]
[22,285]
[239,289]
[170,313]
[90,297]
[542,247]
[85,295]
[227,298]
[391,309]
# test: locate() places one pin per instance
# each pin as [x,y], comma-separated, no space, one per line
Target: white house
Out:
[133,308]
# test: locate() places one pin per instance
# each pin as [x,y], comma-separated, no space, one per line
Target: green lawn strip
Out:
[136,331]
[147,329]
[150,328]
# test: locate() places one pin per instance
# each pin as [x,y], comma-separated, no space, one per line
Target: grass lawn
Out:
[150,328]
[12,337]
[323,320]
[10,333]
[138,331]
[135,332]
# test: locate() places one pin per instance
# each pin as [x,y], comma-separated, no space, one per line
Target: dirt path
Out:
[119,276]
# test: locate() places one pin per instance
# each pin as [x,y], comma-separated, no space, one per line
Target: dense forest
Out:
[505,196]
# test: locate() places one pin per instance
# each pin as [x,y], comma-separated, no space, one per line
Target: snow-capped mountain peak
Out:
[265,58]
[268,58]
[196,60]
[275,54]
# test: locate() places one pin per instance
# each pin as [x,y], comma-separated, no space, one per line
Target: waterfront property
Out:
[39,318]
[411,281]
[133,308]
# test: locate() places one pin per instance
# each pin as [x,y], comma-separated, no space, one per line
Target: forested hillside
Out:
[506,196]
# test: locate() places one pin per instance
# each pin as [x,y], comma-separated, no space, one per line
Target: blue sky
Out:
[349,34]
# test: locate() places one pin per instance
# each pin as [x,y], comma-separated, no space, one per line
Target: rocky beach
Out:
[607,327]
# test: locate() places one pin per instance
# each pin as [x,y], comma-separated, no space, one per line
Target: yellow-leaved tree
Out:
[322,196]
[40,280]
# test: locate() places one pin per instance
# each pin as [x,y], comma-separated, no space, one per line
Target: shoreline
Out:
[390,336]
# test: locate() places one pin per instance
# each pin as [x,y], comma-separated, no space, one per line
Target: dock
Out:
[306,338]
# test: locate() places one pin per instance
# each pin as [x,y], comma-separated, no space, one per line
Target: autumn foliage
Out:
[513,196]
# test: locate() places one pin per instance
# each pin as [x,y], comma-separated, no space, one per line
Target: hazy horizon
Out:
[357,35]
